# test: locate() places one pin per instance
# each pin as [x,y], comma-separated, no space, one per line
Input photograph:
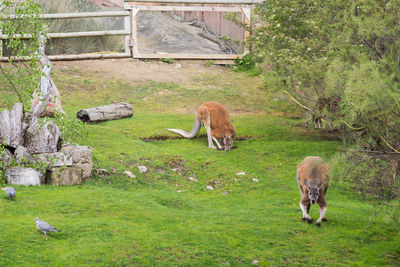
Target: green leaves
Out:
[341,59]
[18,21]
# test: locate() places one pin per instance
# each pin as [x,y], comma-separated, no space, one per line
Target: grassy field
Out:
[162,217]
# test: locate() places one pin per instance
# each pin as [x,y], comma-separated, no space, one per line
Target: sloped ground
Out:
[164,218]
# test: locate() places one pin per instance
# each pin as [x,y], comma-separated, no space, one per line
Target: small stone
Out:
[209,187]
[241,173]
[130,174]
[179,191]
[142,169]
[255,180]
[254,262]
[192,179]
[178,66]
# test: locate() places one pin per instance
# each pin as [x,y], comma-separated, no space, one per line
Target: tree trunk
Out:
[11,126]
[104,113]
[44,139]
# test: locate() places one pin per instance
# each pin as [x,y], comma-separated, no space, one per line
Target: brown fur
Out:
[216,118]
[313,176]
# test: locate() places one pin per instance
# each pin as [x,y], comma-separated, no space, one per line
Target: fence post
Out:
[134,36]
[246,11]
[1,32]
[127,23]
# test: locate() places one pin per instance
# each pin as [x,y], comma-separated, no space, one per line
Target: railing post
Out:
[127,23]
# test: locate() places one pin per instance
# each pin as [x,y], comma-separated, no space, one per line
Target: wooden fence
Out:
[132,8]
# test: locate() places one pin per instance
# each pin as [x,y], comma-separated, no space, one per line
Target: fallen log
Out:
[105,113]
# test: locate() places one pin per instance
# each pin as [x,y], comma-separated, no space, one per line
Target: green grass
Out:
[117,221]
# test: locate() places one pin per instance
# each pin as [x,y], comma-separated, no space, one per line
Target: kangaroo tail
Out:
[195,130]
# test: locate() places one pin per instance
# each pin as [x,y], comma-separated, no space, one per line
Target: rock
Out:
[6,157]
[57,159]
[45,139]
[209,187]
[65,176]
[192,179]
[130,174]
[24,176]
[103,172]
[255,180]
[241,173]
[81,157]
[254,262]
[11,126]
[142,169]
[22,153]
[47,106]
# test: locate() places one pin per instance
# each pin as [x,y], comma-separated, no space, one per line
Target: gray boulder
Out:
[65,176]
[81,157]
[24,176]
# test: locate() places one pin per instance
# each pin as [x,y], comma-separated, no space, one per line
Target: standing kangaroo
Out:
[313,182]
[215,119]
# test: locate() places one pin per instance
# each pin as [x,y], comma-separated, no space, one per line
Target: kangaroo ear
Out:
[319,186]
[306,183]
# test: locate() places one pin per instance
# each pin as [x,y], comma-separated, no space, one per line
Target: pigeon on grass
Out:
[10,191]
[45,227]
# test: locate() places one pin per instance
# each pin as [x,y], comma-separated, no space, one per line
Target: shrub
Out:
[341,60]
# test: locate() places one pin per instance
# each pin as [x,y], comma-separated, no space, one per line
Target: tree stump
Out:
[11,126]
[44,139]
[104,113]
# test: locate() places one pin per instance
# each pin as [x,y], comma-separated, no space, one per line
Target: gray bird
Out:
[10,191]
[45,227]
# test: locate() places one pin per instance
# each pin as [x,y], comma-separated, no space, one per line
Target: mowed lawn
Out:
[163,218]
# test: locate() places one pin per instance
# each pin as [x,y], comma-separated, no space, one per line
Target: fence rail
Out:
[130,27]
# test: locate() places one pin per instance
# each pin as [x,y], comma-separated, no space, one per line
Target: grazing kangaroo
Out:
[215,119]
[313,182]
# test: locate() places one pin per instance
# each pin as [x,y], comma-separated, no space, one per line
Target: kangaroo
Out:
[215,119]
[313,182]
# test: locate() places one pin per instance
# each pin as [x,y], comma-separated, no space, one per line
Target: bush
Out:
[371,176]
[332,60]
[248,63]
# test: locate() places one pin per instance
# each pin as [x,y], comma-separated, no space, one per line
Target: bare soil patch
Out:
[136,70]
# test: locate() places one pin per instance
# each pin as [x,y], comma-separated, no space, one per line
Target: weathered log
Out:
[104,113]
[44,139]
[11,126]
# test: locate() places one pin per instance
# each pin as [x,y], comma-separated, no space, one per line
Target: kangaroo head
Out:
[312,191]
[228,141]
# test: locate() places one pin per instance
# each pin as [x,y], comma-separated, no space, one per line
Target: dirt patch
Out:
[132,70]
[166,137]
